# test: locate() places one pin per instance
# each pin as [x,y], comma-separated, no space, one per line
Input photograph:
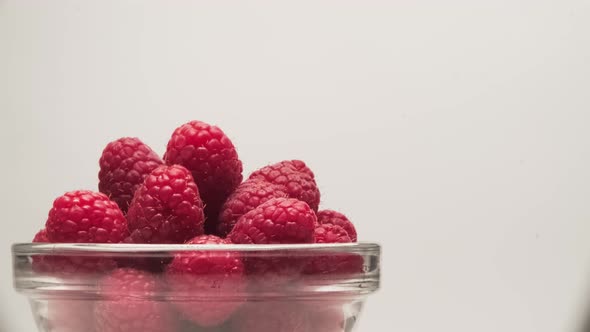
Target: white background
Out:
[455,133]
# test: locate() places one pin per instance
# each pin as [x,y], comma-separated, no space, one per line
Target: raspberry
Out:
[294,179]
[128,303]
[247,196]
[214,279]
[166,208]
[272,317]
[85,217]
[278,220]
[41,237]
[333,263]
[124,164]
[212,158]
[298,165]
[337,218]
[329,233]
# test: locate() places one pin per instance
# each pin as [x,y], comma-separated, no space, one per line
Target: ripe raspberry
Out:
[294,179]
[329,233]
[272,317]
[247,196]
[128,304]
[166,208]
[298,165]
[124,164]
[41,237]
[333,263]
[337,218]
[278,220]
[212,158]
[214,279]
[85,217]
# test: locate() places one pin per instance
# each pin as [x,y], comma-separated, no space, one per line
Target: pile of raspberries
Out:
[195,194]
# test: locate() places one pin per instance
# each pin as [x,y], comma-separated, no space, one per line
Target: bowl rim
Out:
[19,249]
[39,285]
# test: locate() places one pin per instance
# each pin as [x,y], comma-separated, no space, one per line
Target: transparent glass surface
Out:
[238,288]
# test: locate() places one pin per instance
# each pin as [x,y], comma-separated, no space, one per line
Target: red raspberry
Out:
[85,217]
[272,317]
[294,179]
[247,196]
[329,233]
[298,165]
[215,279]
[333,263]
[278,220]
[167,208]
[124,164]
[41,237]
[212,158]
[129,303]
[337,218]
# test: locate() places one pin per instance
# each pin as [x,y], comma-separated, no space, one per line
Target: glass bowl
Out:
[182,288]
